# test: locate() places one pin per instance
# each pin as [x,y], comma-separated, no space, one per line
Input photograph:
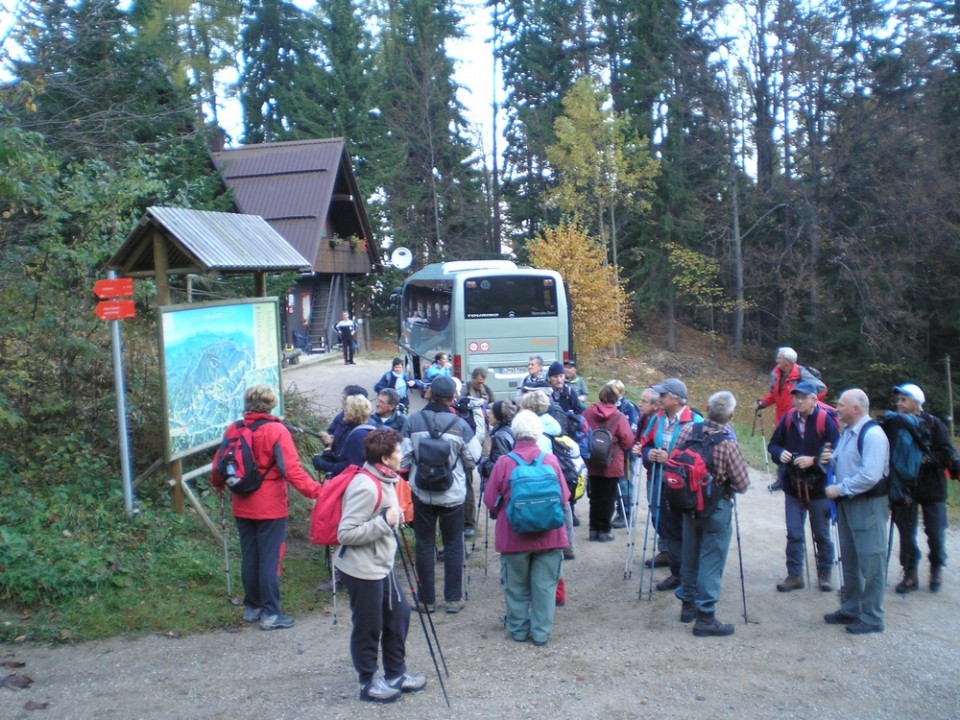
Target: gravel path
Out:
[610,656]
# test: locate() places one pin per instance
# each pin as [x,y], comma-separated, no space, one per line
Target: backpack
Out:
[826,411]
[909,438]
[574,469]
[234,459]
[434,473]
[602,444]
[688,483]
[328,510]
[536,501]
[814,377]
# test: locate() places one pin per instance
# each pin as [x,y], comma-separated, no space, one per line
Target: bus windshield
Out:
[509,296]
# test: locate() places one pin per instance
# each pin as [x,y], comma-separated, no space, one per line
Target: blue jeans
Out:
[934,526]
[261,549]
[796,534]
[706,541]
[425,520]
[529,592]
[667,522]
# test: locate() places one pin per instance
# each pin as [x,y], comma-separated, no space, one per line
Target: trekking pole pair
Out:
[653,520]
[413,581]
[632,519]
[766,455]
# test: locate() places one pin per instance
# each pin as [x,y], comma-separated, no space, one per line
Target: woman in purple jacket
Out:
[529,563]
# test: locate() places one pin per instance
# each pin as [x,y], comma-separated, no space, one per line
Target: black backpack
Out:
[234,461]
[434,472]
[602,443]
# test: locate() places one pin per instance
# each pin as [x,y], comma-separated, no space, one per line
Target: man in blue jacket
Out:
[796,444]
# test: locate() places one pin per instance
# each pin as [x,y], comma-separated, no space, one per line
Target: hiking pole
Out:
[631,521]
[834,525]
[421,607]
[743,590]
[886,572]
[651,479]
[766,455]
[656,527]
[226,548]
[298,429]
[423,624]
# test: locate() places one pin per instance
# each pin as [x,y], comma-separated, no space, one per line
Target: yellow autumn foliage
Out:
[599,307]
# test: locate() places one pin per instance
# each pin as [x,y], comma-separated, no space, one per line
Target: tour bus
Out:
[484,313]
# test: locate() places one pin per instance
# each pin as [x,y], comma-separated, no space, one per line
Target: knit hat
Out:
[556,368]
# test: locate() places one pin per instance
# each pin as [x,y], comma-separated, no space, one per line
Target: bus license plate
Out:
[513,371]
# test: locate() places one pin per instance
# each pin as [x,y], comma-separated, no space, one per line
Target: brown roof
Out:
[307,191]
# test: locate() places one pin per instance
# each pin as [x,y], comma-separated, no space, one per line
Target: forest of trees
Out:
[772,171]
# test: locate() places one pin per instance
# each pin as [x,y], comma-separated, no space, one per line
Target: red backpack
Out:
[326,514]
[234,460]
[688,483]
[825,412]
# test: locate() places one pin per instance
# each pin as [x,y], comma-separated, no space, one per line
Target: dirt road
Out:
[611,655]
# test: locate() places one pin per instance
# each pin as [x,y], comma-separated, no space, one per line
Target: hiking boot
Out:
[377,690]
[275,622]
[251,614]
[594,535]
[707,625]
[793,582]
[428,608]
[936,577]
[909,583]
[605,537]
[469,532]
[839,618]
[455,606]
[569,554]
[670,583]
[688,612]
[576,520]
[619,522]
[407,683]
[826,583]
[662,559]
[775,486]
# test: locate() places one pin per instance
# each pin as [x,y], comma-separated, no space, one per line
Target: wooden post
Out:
[161,266]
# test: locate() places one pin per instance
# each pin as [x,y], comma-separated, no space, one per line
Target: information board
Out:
[210,354]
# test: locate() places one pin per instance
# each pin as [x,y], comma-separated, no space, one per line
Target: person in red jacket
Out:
[783,379]
[261,516]
[604,480]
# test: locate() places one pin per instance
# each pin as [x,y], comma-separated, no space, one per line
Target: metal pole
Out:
[118,386]
[949,395]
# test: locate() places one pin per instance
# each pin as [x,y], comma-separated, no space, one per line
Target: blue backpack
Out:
[536,501]
[909,438]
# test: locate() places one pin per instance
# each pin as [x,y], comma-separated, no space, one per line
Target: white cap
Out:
[912,391]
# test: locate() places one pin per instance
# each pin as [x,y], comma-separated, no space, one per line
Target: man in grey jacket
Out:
[440,501]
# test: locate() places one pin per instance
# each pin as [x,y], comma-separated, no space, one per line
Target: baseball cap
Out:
[804,388]
[555,369]
[443,387]
[674,386]
[911,390]
[569,363]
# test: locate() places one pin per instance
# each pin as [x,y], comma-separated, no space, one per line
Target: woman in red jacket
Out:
[261,516]
[604,480]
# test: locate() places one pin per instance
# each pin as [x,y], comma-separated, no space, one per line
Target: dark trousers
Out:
[603,495]
[381,618]
[347,346]
[425,520]
[934,526]
[261,551]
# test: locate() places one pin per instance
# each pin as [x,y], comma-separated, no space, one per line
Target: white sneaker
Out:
[408,683]
[377,690]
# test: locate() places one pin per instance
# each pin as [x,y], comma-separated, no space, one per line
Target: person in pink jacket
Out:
[604,480]
[529,563]
[261,516]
